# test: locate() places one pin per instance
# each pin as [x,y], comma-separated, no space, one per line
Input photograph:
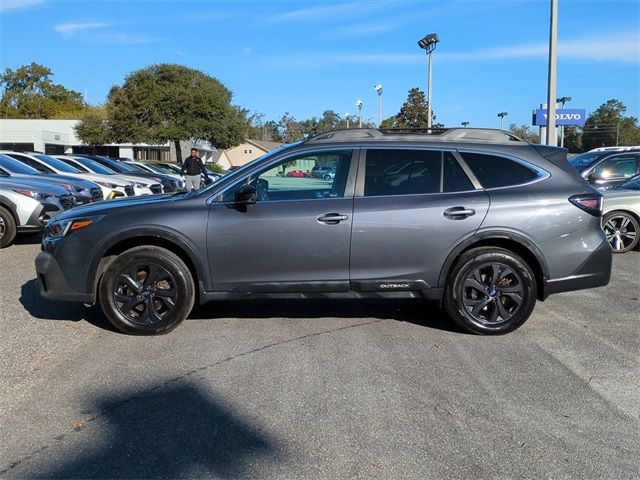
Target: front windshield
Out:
[14,166]
[631,184]
[94,166]
[157,169]
[119,166]
[169,168]
[57,164]
[585,160]
[238,172]
[137,168]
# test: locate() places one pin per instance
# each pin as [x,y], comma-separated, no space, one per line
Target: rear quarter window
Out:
[494,171]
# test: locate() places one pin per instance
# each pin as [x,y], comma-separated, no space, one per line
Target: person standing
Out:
[192,167]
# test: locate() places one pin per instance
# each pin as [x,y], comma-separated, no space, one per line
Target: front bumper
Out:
[52,283]
[594,272]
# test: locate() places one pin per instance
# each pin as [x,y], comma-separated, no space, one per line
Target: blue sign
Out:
[566,116]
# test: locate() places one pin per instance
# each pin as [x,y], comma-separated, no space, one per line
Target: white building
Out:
[59,137]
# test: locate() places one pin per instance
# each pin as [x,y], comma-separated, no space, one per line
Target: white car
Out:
[141,185]
[26,207]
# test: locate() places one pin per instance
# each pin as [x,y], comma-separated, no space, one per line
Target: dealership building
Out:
[57,137]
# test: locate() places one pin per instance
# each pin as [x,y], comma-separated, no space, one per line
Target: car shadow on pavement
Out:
[44,309]
[172,430]
[416,311]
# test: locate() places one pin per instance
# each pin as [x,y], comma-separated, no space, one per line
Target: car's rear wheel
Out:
[490,291]
[146,291]
[621,230]
[7,228]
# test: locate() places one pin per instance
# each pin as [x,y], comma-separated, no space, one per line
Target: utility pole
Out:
[552,135]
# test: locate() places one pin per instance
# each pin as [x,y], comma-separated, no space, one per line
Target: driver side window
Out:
[321,174]
[617,167]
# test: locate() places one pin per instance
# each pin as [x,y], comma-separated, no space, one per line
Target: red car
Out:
[296,173]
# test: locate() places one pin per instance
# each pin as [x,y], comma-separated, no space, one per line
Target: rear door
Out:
[412,206]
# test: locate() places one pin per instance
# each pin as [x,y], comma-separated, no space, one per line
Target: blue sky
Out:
[306,57]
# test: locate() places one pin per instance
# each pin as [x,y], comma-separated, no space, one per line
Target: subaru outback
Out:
[480,220]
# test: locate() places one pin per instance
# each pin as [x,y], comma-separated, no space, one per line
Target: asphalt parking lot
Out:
[320,389]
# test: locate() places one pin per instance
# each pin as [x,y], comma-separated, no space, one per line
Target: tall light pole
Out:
[428,44]
[502,115]
[464,124]
[359,107]
[378,89]
[552,135]
[562,101]
[346,116]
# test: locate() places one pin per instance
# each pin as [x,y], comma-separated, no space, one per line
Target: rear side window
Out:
[413,172]
[32,163]
[494,171]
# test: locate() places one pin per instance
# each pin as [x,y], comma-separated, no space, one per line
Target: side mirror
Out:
[246,195]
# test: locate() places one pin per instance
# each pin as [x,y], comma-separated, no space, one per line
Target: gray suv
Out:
[476,219]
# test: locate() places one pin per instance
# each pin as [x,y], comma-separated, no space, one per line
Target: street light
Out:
[562,101]
[346,116]
[378,89]
[359,107]
[502,115]
[428,44]
[552,135]
[464,124]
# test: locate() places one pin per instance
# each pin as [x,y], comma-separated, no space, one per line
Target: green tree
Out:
[573,139]
[28,92]
[608,126]
[525,132]
[93,128]
[168,102]
[413,113]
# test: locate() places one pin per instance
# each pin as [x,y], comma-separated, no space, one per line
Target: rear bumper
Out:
[52,283]
[594,272]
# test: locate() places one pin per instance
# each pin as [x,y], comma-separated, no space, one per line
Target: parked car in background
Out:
[621,222]
[112,186]
[496,225]
[26,207]
[324,172]
[150,168]
[167,184]
[606,168]
[296,173]
[140,185]
[18,165]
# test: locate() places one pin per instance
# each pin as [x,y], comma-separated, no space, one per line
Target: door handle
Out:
[458,213]
[332,218]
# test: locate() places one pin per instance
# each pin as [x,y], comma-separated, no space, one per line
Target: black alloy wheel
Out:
[147,290]
[621,230]
[492,291]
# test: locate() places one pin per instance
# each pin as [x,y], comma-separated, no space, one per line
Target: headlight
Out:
[60,228]
[33,194]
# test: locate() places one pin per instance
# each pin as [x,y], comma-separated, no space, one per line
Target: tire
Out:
[327,177]
[479,304]
[621,230]
[7,228]
[140,307]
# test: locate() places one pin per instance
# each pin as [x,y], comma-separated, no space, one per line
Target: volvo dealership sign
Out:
[565,116]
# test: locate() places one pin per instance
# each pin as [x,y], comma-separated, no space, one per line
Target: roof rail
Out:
[432,134]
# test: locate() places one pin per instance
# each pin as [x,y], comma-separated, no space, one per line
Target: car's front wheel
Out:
[7,228]
[490,291]
[147,290]
[621,230]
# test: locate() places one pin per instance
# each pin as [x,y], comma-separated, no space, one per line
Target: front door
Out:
[296,237]
[410,209]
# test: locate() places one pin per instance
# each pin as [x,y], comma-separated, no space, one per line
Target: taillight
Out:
[590,203]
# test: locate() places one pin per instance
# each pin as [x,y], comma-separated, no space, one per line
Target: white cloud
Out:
[363,30]
[335,11]
[123,39]
[70,29]
[622,48]
[6,5]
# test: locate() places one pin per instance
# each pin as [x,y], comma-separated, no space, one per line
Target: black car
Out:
[607,168]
